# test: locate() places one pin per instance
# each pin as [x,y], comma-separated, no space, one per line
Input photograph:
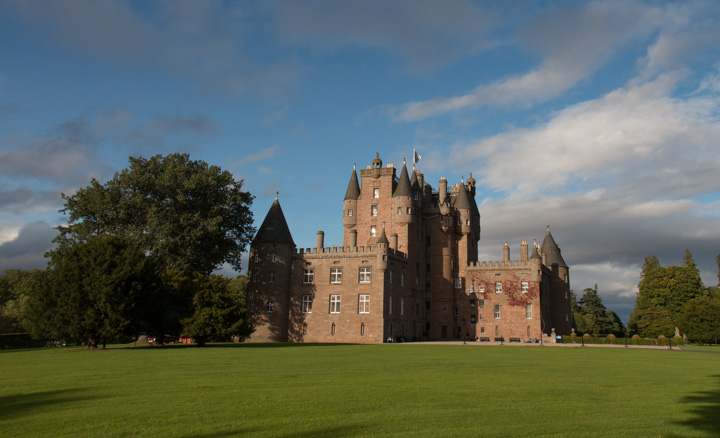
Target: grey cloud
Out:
[26,251]
[427,33]
[201,40]
[156,132]
[23,200]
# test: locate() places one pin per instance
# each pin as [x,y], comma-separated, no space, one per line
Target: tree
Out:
[652,322]
[591,315]
[219,310]
[15,288]
[667,287]
[91,291]
[700,320]
[188,216]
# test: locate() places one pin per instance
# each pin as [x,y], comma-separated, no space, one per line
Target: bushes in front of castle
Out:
[589,339]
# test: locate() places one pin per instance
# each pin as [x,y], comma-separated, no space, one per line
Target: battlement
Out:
[488,263]
[347,250]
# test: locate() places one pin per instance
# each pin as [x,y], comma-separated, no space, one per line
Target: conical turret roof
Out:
[461,200]
[353,189]
[535,253]
[383,237]
[552,251]
[403,187]
[274,228]
[414,185]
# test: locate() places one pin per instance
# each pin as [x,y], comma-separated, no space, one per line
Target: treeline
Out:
[137,257]
[674,297]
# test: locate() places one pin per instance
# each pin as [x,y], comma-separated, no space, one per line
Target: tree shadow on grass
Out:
[14,406]
[345,430]
[705,411]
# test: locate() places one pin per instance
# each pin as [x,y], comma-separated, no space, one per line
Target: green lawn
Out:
[353,390]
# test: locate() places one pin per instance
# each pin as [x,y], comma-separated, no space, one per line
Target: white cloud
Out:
[260,155]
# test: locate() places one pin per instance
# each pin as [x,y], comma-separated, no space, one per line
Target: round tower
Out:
[351,199]
[403,199]
[442,199]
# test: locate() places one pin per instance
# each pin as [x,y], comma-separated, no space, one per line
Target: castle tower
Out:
[561,317]
[269,287]
[350,210]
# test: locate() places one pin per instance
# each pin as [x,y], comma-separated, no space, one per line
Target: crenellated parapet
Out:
[334,251]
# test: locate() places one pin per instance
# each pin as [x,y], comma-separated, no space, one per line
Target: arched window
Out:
[332,329]
[304,328]
[362,329]
[528,331]
[497,331]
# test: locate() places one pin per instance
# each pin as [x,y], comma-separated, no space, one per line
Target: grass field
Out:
[353,390]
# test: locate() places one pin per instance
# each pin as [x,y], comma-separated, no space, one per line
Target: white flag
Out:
[416,156]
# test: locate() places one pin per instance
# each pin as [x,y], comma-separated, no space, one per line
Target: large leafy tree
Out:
[15,288]
[188,216]
[220,310]
[667,288]
[700,319]
[93,291]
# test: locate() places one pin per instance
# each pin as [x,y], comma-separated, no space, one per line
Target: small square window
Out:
[498,287]
[364,303]
[334,303]
[269,306]
[308,276]
[350,213]
[307,303]
[524,286]
[458,283]
[399,210]
[335,275]
[481,289]
[364,276]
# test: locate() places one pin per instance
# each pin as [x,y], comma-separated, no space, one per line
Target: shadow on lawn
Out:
[13,406]
[706,406]
[347,430]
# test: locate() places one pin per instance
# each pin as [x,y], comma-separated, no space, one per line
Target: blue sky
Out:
[599,118]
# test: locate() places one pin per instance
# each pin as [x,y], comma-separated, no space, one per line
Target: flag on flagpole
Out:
[416,156]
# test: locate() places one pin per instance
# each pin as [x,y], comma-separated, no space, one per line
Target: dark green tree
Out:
[700,320]
[189,216]
[91,291]
[15,288]
[652,322]
[219,310]
[591,315]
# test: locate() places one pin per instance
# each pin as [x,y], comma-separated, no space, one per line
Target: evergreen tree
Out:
[700,320]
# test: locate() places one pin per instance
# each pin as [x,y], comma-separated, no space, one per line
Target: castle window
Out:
[373,210]
[482,330]
[376,193]
[390,304]
[364,303]
[334,304]
[273,256]
[402,306]
[335,275]
[252,306]
[332,329]
[472,288]
[373,230]
[399,210]
[498,287]
[567,317]
[473,319]
[390,276]
[528,331]
[350,213]
[307,303]
[467,221]
[497,311]
[524,286]
[308,276]
[362,329]
[364,276]
[481,289]
[409,210]
[458,283]
[272,276]
[528,311]
[566,294]
[269,306]
[304,328]
[481,303]
[402,279]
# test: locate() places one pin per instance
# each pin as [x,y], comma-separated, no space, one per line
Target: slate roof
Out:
[552,251]
[403,187]
[274,228]
[461,200]
[353,189]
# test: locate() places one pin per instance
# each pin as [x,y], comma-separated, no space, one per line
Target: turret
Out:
[403,199]
[536,264]
[350,204]
[462,205]
[442,199]
[382,251]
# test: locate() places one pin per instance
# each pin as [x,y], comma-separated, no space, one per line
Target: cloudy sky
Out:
[599,118]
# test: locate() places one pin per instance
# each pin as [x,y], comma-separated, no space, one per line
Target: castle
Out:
[407,269]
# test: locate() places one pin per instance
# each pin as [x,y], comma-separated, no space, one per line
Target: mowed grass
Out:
[356,390]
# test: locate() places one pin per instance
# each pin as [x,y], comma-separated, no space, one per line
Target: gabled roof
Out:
[274,228]
[403,187]
[353,189]
[552,251]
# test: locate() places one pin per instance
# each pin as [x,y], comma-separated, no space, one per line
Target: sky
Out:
[600,119]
